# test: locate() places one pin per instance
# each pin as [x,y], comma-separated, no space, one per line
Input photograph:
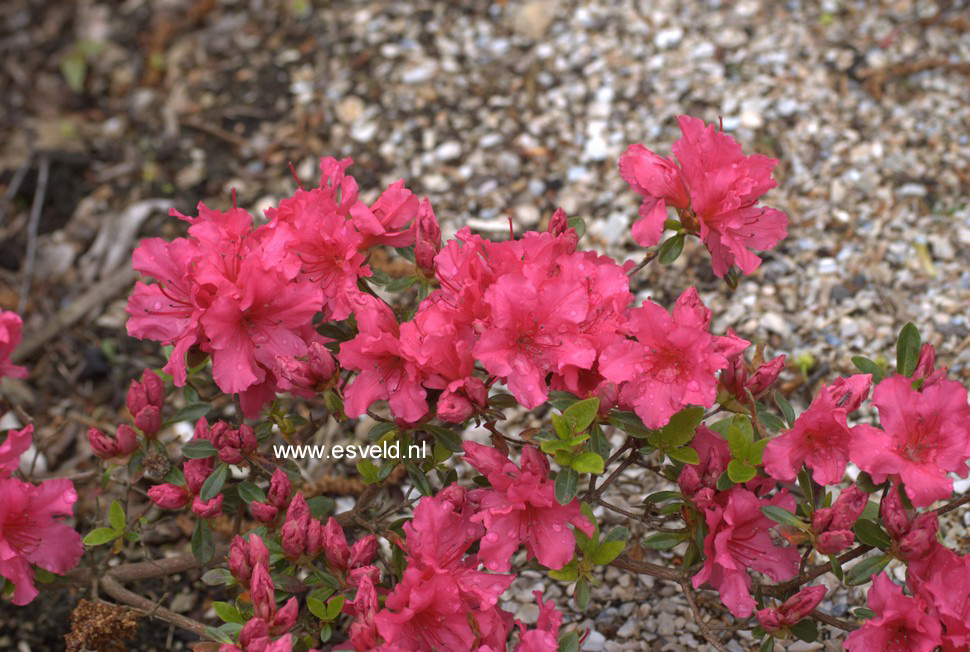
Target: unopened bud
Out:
[169,496]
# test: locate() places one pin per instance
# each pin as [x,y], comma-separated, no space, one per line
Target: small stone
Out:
[363,132]
[528,613]
[526,214]
[942,248]
[449,150]
[731,38]
[594,642]
[419,73]
[533,18]
[911,190]
[751,119]
[802,646]
[629,629]
[668,38]
[665,624]
[349,109]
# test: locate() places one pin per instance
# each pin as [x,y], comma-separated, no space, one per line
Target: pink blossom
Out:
[673,361]
[901,622]
[30,532]
[363,631]
[244,555]
[942,581]
[169,496]
[301,533]
[738,538]
[545,636]
[427,238]
[737,381]
[105,447]
[11,326]
[384,373]
[387,220]
[713,456]
[521,507]
[848,393]
[821,439]
[833,525]
[277,498]
[792,610]
[661,183]
[925,434]
[16,443]
[149,393]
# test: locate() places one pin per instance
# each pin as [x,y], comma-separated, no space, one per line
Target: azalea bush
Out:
[261,318]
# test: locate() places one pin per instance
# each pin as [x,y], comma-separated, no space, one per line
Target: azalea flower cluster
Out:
[31,531]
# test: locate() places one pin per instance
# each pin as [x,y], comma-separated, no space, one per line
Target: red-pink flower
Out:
[792,610]
[545,636]
[30,532]
[821,439]
[942,581]
[387,221]
[673,361]
[715,189]
[521,507]
[11,326]
[925,434]
[901,622]
[738,538]
[385,373]
[16,443]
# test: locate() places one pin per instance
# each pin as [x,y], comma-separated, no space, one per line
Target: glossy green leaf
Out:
[907,350]
[588,463]
[228,613]
[580,414]
[214,483]
[684,454]
[783,516]
[869,533]
[99,536]
[116,516]
[664,540]
[740,472]
[567,483]
[865,569]
[671,249]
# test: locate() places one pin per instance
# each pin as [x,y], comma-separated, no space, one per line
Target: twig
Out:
[833,621]
[43,174]
[646,261]
[73,313]
[15,182]
[689,594]
[114,589]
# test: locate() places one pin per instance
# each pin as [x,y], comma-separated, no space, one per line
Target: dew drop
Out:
[491,537]
[556,527]
[157,305]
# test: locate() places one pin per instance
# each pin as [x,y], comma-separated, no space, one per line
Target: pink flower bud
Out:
[127,439]
[254,629]
[926,362]
[834,541]
[262,593]
[230,455]
[335,544]
[137,399]
[356,575]
[264,512]
[196,472]
[149,421]
[689,481]
[363,631]
[848,507]
[821,519]
[766,375]
[734,377]
[201,430]
[294,531]
[609,395]
[322,365]
[219,434]
[454,408]
[209,509]
[427,238]
[770,620]
[169,496]
[363,551]
[279,489]
[921,538]
[285,617]
[559,222]
[314,537]
[102,445]
[154,388]
[893,514]
[239,565]
[797,607]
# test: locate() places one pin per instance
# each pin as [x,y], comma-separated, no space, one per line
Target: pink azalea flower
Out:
[821,439]
[901,622]
[925,434]
[521,507]
[737,381]
[942,581]
[713,455]
[385,374]
[545,636]
[15,445]
[387,221]
[715,190]
[31,534]
[11,326]
[738,538]
[792,610]
[673,361]
[264,317]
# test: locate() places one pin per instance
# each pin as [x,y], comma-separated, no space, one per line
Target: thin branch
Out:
[40,193]
[833,621]
[689,594]
[114,588]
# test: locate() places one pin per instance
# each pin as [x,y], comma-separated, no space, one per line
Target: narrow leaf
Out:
[214,483]
[907,350]
[567,482]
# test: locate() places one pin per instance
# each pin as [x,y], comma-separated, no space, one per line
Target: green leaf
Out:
[867,366]
[580,414]
[569,642]
[671,249]
[561,427]
[191,412]
[218,635]
[805,630]
[681,428]
[864,482]
[785,407]
[663,496]
[406,252]
[567,482]
[320,506]
[770,421]
[907,350]
[805,482]
[317,607]
[214,483]
[684,454]
[618,533]
[334,606]
[445,436]
[783,516]
[579,224]
[588,463]
[869,533]
[251,493]
[100,535]
[228,613]
[198,449]
[865,569]
[756,451]
[740,472]
[501,401]
[216,577]
[724,482]
[664,540]
[599,443]
[74,69]
[116,516]
[836,568]
[567,573]
[202,547]
[767,644]
[607,552]
[368,471]
[582,594]
[862,613]
[629,423]
[380,430]
[419,479]
[401,284]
